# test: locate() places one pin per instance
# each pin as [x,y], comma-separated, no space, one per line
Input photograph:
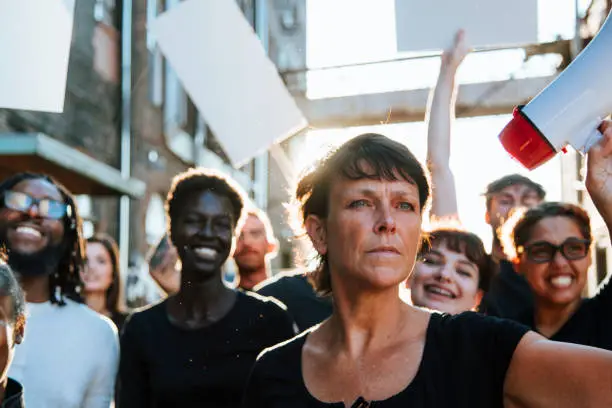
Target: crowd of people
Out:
[509,328]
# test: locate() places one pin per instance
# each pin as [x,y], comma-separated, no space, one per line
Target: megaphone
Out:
[569,110]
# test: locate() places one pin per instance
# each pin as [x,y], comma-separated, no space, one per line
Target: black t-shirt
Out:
[590,325]
[119,319]
[304,305]
[464,364]
[13,395]
[163,365]
[509,294]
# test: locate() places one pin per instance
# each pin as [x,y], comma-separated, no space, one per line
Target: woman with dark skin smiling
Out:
[362,209]
[196,348]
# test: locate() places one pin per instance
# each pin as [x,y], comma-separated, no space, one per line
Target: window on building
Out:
[166,92]
[155,219]
[156,60]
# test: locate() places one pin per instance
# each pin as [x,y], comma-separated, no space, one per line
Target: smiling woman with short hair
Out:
[196,348]
[452,273]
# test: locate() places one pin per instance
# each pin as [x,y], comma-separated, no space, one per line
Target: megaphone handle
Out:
[592,139]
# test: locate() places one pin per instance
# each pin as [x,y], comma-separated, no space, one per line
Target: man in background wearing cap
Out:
[509,292]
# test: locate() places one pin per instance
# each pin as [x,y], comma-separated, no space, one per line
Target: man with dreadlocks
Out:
[70,354]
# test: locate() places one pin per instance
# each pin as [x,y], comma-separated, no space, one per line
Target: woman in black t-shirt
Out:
[362,209]
[551,246]
[196,348]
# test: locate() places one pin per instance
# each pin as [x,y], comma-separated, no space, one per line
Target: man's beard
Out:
[40,263]
[43,262]
[246,269]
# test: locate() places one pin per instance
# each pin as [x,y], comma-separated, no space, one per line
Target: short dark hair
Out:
[368,156]
[516,232]
[67,281]
[201,179]
[113,293]
[512,180]
[10,287]
[464,242]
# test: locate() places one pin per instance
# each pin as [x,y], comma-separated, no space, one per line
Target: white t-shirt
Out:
[68,359]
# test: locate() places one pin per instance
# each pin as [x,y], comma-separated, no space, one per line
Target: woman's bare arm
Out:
[440,115]
[599,174]
[546,373]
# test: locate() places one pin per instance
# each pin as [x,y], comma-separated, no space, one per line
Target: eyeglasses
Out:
[45,207]
[572,249]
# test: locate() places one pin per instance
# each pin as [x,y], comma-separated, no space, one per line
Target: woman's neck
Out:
[366,319]
[550,318]
[203,302]
[97,301]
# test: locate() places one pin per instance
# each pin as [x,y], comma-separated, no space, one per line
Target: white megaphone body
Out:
[569,110]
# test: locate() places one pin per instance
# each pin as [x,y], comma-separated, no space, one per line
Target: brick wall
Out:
[90,121]
[90,118]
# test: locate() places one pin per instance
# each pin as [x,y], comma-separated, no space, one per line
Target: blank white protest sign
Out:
[430,25]
[35,38]
[225,70]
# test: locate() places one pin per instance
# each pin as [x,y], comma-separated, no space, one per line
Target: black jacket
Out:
[13,396]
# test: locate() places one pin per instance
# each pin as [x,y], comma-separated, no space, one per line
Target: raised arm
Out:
[440,114]
[545,373]
[599,174]
[550,374]
[163,269]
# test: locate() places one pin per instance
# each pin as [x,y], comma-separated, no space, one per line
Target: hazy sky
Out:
[337,37]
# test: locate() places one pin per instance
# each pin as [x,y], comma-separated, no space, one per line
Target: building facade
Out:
[127,117]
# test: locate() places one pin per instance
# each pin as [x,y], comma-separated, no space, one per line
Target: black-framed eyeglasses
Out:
[46,207]
[572,249]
